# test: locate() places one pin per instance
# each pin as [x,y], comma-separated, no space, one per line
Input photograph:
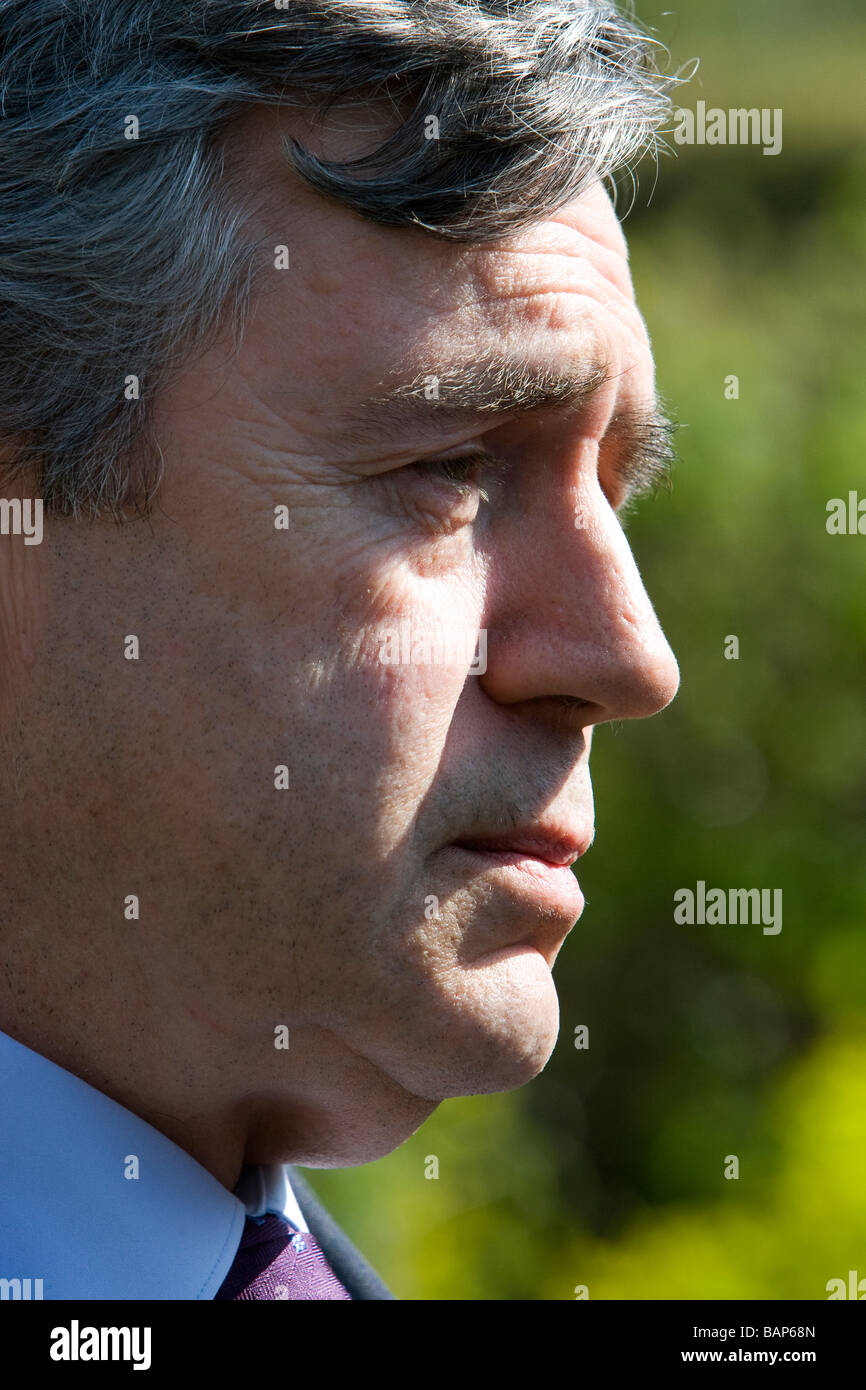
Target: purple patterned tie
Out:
[275,1260]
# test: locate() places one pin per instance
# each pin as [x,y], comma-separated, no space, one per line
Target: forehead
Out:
[379,306]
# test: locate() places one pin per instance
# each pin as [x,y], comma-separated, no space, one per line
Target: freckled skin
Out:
[259,647]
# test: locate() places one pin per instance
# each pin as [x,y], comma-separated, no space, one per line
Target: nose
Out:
[568,615]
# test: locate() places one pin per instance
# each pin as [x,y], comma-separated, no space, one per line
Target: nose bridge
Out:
[596,634]
[626,658]
[621,603]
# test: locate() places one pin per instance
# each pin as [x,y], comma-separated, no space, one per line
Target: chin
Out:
[495,1032]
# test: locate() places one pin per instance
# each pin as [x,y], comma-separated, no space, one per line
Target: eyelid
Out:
[481,457]
[622,499]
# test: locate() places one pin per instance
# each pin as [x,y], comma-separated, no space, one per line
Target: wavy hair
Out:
[123,243]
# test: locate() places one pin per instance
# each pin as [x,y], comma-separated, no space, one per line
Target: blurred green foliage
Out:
[706,1041]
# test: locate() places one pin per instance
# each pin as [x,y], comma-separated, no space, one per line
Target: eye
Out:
[464,471]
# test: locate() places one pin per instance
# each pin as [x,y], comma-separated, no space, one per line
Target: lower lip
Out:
[553,887]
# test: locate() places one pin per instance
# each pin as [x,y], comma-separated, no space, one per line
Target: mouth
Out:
[558,851]
[542,883]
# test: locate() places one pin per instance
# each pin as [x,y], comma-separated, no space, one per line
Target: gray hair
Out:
[120,257]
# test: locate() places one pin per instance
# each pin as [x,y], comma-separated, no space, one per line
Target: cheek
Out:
[419,643]
[401,688]
[424,612]
[371,708]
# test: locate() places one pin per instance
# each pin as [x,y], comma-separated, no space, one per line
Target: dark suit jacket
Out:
[348,1264]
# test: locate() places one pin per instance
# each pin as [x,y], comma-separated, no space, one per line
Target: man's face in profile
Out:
[363,905]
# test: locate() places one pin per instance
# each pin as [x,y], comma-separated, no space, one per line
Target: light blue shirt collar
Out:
[70,1215]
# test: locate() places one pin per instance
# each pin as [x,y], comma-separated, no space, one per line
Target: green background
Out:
[705,1041]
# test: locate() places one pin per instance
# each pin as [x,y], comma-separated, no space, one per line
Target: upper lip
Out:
[555,846]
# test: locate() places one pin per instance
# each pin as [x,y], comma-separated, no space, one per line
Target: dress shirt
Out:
[71,1217]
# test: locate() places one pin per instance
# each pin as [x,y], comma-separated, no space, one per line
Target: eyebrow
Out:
[644,438]
[646,452]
